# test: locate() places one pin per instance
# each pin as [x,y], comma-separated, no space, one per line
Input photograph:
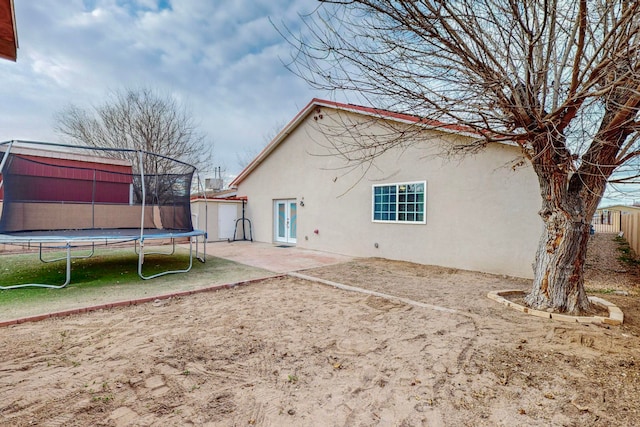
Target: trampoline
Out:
[70,198]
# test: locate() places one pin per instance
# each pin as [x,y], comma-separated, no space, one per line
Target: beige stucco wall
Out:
[481,213]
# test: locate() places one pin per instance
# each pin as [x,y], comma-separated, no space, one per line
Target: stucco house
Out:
[475,212]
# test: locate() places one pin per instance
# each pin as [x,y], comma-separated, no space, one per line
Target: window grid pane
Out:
[399,202]
[384,203]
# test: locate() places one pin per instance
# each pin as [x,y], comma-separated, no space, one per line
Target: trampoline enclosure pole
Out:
[144,197]
[4,160]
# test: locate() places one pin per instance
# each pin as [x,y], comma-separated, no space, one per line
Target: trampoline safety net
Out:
[82,188]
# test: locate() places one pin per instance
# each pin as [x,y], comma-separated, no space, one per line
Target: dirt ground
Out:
[291,352]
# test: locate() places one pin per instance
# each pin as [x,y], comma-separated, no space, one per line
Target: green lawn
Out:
[106,268]
[111,274]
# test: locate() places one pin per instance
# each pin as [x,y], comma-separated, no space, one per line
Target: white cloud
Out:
[222,58]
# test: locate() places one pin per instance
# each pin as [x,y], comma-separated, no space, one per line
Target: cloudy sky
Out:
[223,59]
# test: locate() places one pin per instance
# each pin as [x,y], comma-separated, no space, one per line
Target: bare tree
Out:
[560,78]
[139,119]
[247,154]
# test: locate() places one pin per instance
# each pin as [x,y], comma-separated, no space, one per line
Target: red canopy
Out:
[8,33]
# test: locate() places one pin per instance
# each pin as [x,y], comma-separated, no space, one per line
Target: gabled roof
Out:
[367,111]
[8,33]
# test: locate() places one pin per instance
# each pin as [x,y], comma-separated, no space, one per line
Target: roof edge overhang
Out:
[232,199]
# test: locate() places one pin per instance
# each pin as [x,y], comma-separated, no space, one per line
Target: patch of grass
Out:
[107,268]
[627,254]
[103,399]
[110,275]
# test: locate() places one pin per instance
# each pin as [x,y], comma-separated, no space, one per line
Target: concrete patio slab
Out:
[275,258]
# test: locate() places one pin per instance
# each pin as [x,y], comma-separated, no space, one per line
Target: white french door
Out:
[286,216]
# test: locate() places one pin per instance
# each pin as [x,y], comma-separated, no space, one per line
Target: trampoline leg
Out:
[93,250]
[68,266]
[204,248]
[46,285]
[173,250]
[202,259]
[153,276]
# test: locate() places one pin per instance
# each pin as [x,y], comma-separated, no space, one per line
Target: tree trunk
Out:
[559,265]
[558,283]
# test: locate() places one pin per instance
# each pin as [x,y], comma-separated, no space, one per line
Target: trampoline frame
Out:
[72,239]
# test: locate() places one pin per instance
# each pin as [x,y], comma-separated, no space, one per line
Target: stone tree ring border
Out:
[615,318]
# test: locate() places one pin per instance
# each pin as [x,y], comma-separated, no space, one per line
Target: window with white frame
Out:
[404,202]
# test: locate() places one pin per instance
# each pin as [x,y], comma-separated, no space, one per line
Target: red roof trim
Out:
[394,115]
[219,199]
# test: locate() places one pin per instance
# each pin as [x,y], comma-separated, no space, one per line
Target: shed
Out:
[44,183]
[217,216]
[49,175]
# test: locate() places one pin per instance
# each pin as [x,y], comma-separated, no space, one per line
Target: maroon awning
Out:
[8,33]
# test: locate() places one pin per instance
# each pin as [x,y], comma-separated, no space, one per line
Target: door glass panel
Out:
[282,220]
[293,215]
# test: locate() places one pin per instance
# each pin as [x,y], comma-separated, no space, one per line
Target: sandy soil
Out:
[290,352]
